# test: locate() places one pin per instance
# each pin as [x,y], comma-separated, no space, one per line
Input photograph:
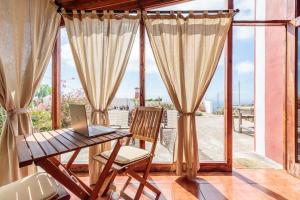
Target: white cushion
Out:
[38,186]
[127,154]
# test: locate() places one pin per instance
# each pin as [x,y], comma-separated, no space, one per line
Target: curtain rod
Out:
[154,12]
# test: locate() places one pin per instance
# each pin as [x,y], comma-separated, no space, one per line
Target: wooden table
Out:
[40,148]
[245,112]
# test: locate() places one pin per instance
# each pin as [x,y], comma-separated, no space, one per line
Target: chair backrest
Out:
[146,123]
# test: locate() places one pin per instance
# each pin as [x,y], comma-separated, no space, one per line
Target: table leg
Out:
[63,178]
[240,121]
[73,157]
[105,173]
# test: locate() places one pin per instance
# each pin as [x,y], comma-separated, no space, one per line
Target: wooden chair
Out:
[145,127]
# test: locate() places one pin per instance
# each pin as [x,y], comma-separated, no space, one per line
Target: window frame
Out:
[205,166]
[297,106]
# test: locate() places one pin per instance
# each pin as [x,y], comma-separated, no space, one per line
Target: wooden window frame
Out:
[225,165]
[205,166]
[296,92]
[292,161]
[297,8]
[56,83]
[297,27]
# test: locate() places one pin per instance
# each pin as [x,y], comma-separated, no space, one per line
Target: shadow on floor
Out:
[194,187]
[258,186]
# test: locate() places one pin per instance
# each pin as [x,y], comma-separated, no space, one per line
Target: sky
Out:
[243,58]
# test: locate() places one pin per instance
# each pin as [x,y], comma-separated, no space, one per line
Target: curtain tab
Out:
[17,111]
[63,11]
[75,14]
[179,14]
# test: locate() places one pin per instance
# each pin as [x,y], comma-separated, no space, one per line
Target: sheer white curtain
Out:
[101,46]
[187,51]
[27,35]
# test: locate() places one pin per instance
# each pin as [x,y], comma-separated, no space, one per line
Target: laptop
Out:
[80,124]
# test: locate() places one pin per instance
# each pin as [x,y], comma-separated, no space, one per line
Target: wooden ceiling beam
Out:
[115,5]
[62,1]
[95,4]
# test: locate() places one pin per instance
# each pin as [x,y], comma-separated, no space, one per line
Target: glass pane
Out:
[198,5]
[246,8]
[243,97]
[268,10]
[71,92]
[210,118]
[121,108]
[40,106]
[262,10]
[277,9]
[127,97]
[257,131]
[298,95]
[157,95]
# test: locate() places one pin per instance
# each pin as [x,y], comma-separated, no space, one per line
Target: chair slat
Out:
[140,124]
[151,124]
[146,123]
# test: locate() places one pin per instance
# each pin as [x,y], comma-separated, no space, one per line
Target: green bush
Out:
[41,120]
[2,118]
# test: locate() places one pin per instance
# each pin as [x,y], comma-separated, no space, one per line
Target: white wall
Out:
[260,80]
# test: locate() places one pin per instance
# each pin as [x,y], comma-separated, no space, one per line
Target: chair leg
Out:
[142,184]
[126,184]
[139,192]
[145,182]
[111,180]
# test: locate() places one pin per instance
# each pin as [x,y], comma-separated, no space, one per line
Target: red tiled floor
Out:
[244,184]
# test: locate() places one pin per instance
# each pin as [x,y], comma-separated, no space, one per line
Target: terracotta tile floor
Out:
[244,184]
